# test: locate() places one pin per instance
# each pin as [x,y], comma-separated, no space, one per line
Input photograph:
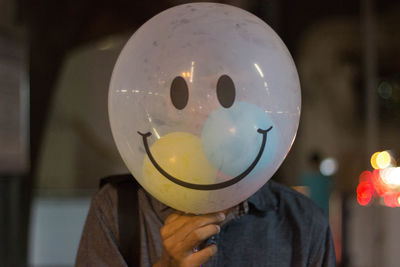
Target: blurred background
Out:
[56,59]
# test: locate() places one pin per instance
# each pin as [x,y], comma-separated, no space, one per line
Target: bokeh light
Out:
[328,166]
[380,187]
[383,159]
[385,90]
[365,191]
[391,200]
[384,180]
[373,160]
[365,177]
[363,201]
[391,176]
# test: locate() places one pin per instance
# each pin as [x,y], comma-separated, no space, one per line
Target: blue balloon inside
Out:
[231,140]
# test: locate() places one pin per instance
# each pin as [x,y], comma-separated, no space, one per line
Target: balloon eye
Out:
[179,92]
[225,91]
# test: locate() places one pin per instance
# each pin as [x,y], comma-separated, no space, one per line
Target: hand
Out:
[182,233]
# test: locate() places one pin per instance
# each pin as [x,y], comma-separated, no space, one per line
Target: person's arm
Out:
[99,243]
[182,233]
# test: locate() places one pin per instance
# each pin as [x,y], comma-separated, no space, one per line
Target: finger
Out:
[198,258]
[172,224]
[199,235]
[171,218]
[197,222]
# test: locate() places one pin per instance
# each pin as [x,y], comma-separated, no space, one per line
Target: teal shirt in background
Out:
[320,188]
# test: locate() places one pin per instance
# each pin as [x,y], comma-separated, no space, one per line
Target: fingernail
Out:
[218,228]
[221,216]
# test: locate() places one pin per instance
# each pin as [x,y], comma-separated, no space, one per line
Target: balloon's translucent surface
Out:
[204,105]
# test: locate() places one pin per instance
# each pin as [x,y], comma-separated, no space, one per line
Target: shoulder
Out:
[107,198]
[299,207]
[105,202]
[111,186]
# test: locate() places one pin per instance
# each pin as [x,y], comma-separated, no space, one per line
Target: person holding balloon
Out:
[204,105]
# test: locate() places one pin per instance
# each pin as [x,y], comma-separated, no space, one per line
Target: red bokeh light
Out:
[365,190]
[365,177]
[383,182]
[363,201]
[391,200]
[379,185]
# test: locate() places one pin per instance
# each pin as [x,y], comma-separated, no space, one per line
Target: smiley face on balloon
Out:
[204,105]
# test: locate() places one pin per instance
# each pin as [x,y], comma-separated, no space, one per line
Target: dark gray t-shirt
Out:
[280,227]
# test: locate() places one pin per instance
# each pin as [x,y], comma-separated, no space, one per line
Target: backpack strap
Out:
[128,216]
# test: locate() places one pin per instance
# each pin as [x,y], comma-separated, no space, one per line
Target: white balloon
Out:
[204,105]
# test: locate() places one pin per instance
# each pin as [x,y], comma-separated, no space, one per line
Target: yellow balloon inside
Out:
[181,155]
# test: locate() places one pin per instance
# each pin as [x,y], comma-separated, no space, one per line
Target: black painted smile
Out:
[207,186]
